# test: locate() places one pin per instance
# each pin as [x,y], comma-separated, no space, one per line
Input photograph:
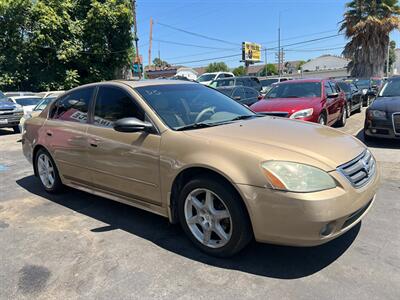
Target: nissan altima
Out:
[189,153]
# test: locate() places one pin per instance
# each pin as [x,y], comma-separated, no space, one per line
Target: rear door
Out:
[125,164]
[66,136]
[340,100]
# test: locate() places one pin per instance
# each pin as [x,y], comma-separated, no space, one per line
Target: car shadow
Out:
[379,143]
[6,132]
[259,259]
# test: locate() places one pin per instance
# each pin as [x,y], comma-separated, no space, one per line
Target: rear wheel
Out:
[214,217]
[47,171]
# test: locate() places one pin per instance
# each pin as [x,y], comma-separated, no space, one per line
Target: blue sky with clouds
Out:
[228,23]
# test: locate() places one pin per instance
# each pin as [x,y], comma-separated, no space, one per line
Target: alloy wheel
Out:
[208,218]
[46,170]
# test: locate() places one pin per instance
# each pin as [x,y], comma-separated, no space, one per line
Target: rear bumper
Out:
[299,219]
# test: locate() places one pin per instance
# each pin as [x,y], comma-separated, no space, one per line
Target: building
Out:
[325,62]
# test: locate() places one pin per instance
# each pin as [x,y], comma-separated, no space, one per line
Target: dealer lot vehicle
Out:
[354,98]
[314,100]
[383,115]
[249,81]
[194,155]
[267,83]
[369,88]
[27,102]
[16,94]
[10,114]
[242,94]
[207,78]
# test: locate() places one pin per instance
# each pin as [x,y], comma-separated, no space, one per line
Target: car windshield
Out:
[184,105]
[268,82]
[295,90]
[3,97]
[42,104]
[206,77]
[391,88]
[27,101]
[363,84]
[224,82]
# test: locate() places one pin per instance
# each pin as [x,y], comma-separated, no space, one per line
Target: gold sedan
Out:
[190,153]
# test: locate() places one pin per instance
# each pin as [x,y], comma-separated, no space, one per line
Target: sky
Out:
[220,26]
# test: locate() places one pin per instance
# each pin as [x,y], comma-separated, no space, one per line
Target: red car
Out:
[314,100]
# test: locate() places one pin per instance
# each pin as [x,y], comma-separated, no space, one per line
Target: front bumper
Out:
[297,219]
[380,128]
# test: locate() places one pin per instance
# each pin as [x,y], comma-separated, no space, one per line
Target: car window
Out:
[73,106]
[328,89]
[344,86]
[250,93]
[28,101]
[228,75]
[225,82]
[181,105]
[113,104]
[295,90]
[391,88]
[238,93]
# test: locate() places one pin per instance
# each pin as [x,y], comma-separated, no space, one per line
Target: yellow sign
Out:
[251,52]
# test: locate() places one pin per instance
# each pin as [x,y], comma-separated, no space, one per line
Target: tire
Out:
[322,119]
[348,110]
[16,129]
[227,214]
[358,110]
[343,118]
[43,163]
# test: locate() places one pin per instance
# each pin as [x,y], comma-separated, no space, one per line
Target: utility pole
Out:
[265,61]
[150,41]
[136,37]
[279,45]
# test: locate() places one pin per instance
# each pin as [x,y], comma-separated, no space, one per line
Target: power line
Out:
[198,34]
[306,42]
[300,36]
[207,59]
[313,50]
[191,45]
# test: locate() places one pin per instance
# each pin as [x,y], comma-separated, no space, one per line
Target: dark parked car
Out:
[354,97]
[242,94]
[383,115]
[369,89]
[10,113]
[249,81]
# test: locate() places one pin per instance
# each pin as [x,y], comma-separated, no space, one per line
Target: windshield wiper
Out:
[195,126]
[244,117]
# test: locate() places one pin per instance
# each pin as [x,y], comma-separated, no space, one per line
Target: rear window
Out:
[225,82]
[28,101]
[268,82]
[295,90]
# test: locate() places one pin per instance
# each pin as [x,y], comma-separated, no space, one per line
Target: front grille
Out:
[356,215]
[396,123]
[281,114]
[360,170]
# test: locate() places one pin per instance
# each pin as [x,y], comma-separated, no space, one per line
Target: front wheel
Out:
[322,120]
[213,217]
[343,118]
[47,171]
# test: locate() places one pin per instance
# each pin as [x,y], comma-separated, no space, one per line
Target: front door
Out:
[330,104]
[122,164]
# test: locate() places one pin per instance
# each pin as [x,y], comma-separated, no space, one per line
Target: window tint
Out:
[228,75]
[328,89]
[73,107]
[295,90]
[238,93]
[250,93]
[113,104]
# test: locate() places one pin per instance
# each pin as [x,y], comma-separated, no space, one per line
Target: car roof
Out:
[303,80]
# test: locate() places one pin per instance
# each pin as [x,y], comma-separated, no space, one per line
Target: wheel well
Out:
[35,151]
[185,176]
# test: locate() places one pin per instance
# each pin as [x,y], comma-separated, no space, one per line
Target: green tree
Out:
[269,69]
[160,63]
[52,44]
[301,63]
[367,23]
[217,67]
[392,54]
[239,71]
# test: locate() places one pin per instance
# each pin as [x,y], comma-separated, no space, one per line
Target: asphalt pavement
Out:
[79,246]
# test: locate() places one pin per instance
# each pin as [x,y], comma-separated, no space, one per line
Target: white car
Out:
[50,94]
[28,103]
[267,83]
[207,78]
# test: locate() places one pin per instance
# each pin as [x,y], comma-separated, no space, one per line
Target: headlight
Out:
[27,116]
[364,91]
[376,114]
[304,113]
[295,177]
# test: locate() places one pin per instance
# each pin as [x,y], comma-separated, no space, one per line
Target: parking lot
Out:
[76,245]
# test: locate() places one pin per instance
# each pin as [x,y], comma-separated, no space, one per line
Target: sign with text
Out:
[251,52]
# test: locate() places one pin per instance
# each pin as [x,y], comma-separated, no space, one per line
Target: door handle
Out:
[93,144]
[49,133]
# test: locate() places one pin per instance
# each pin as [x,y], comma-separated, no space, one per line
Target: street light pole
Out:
[279,45]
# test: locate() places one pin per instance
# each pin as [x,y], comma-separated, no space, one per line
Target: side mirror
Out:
[237,98]
[333,95]
[260,97]
[132,125]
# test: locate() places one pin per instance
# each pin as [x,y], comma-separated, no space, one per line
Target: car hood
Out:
[5,105]
[274,138]
[289,105]
[389,104]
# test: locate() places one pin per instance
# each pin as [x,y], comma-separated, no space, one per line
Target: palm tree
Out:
[367,23]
